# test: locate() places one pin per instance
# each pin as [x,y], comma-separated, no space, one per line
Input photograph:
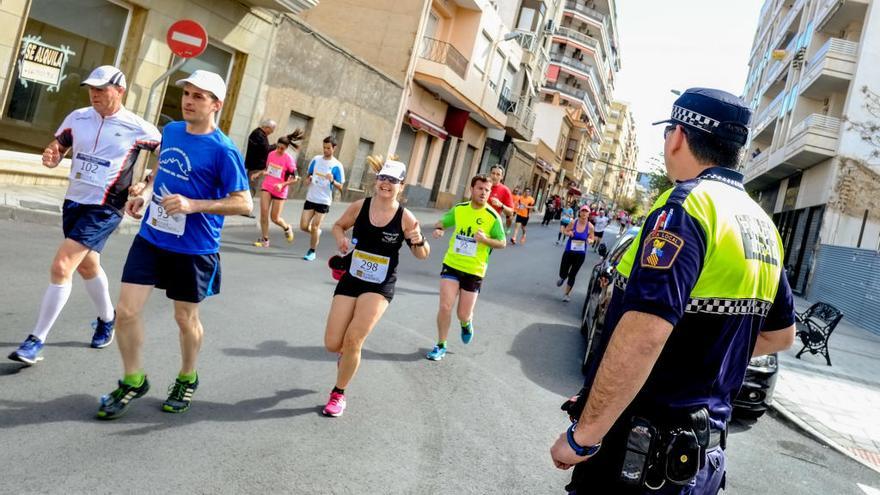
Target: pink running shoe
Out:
[335,406]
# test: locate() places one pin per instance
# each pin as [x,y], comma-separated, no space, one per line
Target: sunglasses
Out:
[388,179]
[670,128]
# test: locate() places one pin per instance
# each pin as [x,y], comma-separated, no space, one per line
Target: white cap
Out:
[207,81]
[104,75]
[393,168]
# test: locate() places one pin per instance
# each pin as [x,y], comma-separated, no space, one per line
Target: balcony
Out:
[445,54]
[834,16]
[787,20]
[520,117]
[767,115]
[569,90]
[587,11]
[294,7]
[813,140]
[578,37]
[831,69]
[756,166]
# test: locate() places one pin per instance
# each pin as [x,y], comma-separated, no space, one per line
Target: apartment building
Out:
[814,65]
[615,171]
[466,68]
[35,95]
[579,88]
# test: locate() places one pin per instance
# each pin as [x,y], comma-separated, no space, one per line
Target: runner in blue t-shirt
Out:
[199,179]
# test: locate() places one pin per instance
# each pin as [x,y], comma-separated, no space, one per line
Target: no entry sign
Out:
[187,38]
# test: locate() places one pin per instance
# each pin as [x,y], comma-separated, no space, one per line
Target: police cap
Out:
[707,109]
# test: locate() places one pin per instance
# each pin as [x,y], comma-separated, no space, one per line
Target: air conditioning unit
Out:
[550,27]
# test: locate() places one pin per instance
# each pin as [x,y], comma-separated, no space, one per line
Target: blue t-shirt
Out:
[207,166]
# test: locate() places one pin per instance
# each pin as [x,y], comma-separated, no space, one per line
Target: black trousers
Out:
[548,215]
[571,265]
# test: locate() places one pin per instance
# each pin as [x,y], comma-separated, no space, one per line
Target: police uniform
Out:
[708,261]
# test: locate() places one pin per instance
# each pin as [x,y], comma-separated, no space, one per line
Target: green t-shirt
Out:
[465,253]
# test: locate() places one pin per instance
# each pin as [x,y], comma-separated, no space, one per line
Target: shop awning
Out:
[574,191]
[423,124]
[543,165]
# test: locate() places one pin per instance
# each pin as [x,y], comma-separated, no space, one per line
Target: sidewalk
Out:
[840,404]
[42,205]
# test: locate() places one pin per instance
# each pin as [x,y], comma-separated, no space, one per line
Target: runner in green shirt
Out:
[478,230]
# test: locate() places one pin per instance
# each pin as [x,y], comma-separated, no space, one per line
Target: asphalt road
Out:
[481,421]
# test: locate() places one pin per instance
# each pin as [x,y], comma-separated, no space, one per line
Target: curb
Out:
[819,436]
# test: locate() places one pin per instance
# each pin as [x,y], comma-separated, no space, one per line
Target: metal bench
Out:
[814,327]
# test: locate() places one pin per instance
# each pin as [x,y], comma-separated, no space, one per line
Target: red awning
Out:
[423,124]
[456,120]
[574,191]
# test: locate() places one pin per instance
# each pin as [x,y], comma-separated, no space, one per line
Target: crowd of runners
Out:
[200,177]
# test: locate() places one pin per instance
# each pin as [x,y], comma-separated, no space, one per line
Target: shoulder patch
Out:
[660,249]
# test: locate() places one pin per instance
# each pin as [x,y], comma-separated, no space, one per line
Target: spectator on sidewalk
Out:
[258,149]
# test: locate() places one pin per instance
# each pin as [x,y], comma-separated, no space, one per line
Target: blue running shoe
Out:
[310,256]
[29,351]
[467,332]
[180,396]
[116,402]
[436,353]
[103,332]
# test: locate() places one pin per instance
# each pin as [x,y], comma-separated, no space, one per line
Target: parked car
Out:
[756,393]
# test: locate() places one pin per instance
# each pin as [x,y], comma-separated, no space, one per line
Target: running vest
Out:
[376,249]
[577,243]
[465,253]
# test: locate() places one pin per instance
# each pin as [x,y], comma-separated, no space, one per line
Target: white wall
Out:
[867,74]
[548,122]
[816,184]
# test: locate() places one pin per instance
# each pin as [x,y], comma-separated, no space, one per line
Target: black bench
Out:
[814,327]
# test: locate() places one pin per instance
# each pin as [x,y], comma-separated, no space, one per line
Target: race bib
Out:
[90,169]
[273,171]
[578,245]
[465,246]
[163,222]
[369,267]
[320,180]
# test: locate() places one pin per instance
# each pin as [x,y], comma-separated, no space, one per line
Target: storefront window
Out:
[63,40]
[214,59]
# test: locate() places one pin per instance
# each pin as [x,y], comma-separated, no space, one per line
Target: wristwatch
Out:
[578,449]
[418,244]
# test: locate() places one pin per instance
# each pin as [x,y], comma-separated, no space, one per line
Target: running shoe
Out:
[103,335]
[335,406]
[310,256]
[180,396]
[513,241]
[116,403]
[29,351]
[288,234]
[262,242]
[566,298]
[436,353]
[560,282]
[467,332]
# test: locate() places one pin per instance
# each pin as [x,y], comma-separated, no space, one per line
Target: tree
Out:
[868,130]
[659,183]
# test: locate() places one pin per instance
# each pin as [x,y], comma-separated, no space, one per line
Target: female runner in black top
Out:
[381,225]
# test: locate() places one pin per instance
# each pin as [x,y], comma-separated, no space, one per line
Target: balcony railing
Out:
[786,21]
[769,113]
[816,123]
[588,69]
[822,12]
[519,113]
[578,36]
[583,9]
[578,93]
[833,48]
[444,53]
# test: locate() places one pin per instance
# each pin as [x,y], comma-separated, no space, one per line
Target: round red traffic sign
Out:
[187,38]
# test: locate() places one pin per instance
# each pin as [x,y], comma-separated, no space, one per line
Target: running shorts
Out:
[522,220]
[89,225]
[352,287]
[319,208]
[184,277]
[599,235]
[466,281]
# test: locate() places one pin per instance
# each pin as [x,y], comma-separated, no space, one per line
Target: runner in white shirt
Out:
[601,222]
[325,174]
[104,140]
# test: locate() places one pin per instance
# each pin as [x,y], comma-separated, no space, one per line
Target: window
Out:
[463,179]
[338,134]
[359,170]
[509,77]
[431,26]
[482,51]
[214,59]
[78,39]
[497,70]
[299,121]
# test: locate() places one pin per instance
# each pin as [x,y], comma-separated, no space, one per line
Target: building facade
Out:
[76,36]
[615,171]
[813,83]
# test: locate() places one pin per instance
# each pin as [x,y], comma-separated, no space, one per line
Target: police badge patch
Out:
[660,249]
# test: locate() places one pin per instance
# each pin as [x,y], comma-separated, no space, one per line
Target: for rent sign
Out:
[42,63]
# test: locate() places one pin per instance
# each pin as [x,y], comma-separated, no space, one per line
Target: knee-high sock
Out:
[99,290]
[53,300]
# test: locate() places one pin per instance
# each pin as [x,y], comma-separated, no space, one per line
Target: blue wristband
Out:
[579,450]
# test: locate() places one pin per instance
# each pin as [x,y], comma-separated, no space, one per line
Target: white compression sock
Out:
[99,290]
[53,300]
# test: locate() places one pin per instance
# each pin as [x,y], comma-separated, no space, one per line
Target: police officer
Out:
[699,294]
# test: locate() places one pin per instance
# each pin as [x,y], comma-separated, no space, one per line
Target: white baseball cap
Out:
[104,75]
[393,168]
[208,81]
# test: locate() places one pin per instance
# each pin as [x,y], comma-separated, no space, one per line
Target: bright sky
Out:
[678,44]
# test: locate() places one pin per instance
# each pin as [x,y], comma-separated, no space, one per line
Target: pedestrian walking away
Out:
[279,173]
[524,206]
[380,227]
[325,175]
[199,179]
[549,210]
[501,198]
[258,149]
[704,282]
[580,235]
[600,222]
[477,231]
[565,219]
[104,140]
